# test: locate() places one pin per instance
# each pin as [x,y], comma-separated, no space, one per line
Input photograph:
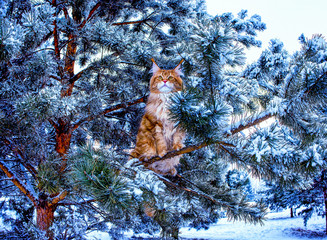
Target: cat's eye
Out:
[160,78]
[171,78]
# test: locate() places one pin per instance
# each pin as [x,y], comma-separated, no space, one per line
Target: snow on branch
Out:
[232,208]
[59,198]
[70,203]
[29,192]
[91,14]
[252,122]
[18,153]
[174,153]
[191,191]
[131,22]
[108,110]
[187,149]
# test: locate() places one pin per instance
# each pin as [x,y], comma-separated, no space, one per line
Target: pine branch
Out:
[53,124]
[195,147]
[184,150]
[324,75]
[108,110]
[91,14]
[24,55]
[76,203]
[136,22]
[193,192]
[237,210]
[55,34]
[18,183]
[58,198]
[128,23]
[206,196]
[79,74]
[19,154]
[249,124]
[175,153]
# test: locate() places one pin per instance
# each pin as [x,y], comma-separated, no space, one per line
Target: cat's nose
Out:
[165,80]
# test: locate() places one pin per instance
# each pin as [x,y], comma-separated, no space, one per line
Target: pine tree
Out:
[74,79]
[302,93]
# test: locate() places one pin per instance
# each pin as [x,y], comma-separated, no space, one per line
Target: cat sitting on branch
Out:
[157,134]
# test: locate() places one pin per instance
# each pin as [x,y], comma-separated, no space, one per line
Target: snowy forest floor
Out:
[277,226]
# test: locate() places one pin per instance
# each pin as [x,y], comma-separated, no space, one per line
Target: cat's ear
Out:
[155,67]
[178,68]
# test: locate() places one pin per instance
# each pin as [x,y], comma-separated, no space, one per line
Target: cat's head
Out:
[166,81]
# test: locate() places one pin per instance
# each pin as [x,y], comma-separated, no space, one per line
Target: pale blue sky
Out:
[285,19]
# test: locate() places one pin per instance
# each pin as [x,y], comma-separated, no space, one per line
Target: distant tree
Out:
[74,76]
[314,199]
[279,197]
[310,198]
[299,82]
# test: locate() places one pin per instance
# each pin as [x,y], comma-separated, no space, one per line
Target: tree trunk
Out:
[63,137]
[292,213]
[45,217]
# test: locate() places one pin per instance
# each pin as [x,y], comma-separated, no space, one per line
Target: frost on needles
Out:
[74,82]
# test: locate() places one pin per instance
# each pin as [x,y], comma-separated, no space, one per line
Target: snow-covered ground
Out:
[278,226]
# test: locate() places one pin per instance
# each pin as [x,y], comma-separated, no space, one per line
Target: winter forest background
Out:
[74,82]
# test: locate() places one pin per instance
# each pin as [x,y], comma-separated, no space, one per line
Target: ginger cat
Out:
[157,135]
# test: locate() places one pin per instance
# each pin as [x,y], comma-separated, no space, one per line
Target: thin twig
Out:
[128,23]
[76,203]
[90,15]
[108,110]
[18,182]
[197,193]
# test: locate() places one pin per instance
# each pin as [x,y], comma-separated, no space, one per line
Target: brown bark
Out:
[250,124]
[63,142]
[45,216]
[68,85]
[56,41]
[45,209]
[18,182]
[91,14]
[63,136]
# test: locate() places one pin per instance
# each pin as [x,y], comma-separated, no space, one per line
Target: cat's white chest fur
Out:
[159,108]
[162,108]
[158,105]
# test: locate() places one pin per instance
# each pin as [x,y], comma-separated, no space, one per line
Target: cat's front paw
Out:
[172,172]
[178,146]
[145,157]
[162,153]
